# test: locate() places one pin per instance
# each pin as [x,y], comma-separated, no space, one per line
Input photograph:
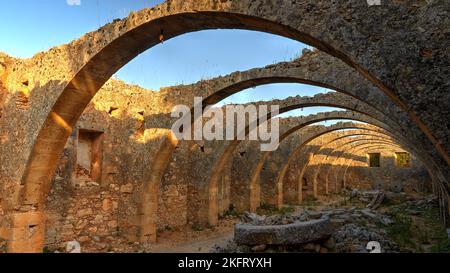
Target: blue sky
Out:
[30,26]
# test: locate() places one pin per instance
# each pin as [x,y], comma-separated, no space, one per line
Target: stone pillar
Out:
[148,232]
[300,189]
[148,221]
[255,197]
[3,230]
[213,215]
[26,232]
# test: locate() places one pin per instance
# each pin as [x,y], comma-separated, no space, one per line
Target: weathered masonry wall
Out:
[120,165]
[5,65]
[399,66]
[96,194]
[106,206]
[101,170]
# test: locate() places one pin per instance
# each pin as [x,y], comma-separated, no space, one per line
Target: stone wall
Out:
[388,176]
[371,61]
[98,210]
[83,205]
[95,210]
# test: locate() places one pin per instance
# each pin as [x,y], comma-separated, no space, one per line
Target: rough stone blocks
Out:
[297,233]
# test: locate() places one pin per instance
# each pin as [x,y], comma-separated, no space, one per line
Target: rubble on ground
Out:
[291,234]
[342,215]
[425,203]
[2,246]
[354,238]
[341,230]
[377,200]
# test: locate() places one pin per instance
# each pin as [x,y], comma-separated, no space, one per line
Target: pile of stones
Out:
[337,217]
[2,246]
[330,230]
[354,238]
[285,219]
[425,203]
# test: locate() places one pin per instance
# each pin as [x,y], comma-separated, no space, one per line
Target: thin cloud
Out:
[73,2]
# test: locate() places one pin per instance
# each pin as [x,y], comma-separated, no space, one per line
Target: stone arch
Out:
[105,54]
[331,99]
[339,137]
[284,169]
[359,147]
[362,111]
[351,149]
[254,199]
[222,87]
[366,149]
[436,176]
[163,156]
[350,161]
[321,157]
[319,165]
[281,176]
[339,168]
[428,163]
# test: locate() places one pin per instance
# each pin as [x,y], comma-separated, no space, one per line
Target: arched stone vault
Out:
[366,142]
[368,149]
[256,169]
[351,161]
[320,157]
[222,161]
[338,153]
[102,53]
[335,153]
[284,169]
[338,115]
[359,41]
[282,173]
[323,116]
[325,151]
[222,87]
[338,167]
[303,169]
[413,148]
[322,154]
[316,189]
[289,72]
[331,99]
[339,163]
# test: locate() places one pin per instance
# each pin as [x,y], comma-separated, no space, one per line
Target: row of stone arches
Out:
[359,67]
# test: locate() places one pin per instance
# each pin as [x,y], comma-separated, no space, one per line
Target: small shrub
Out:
[197,228]
[46,250]
[286,210]
[400,231]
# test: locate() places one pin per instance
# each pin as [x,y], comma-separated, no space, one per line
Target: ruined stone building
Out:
[86,157]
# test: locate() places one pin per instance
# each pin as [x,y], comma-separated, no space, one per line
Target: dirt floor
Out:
[416,228]
[194,240]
